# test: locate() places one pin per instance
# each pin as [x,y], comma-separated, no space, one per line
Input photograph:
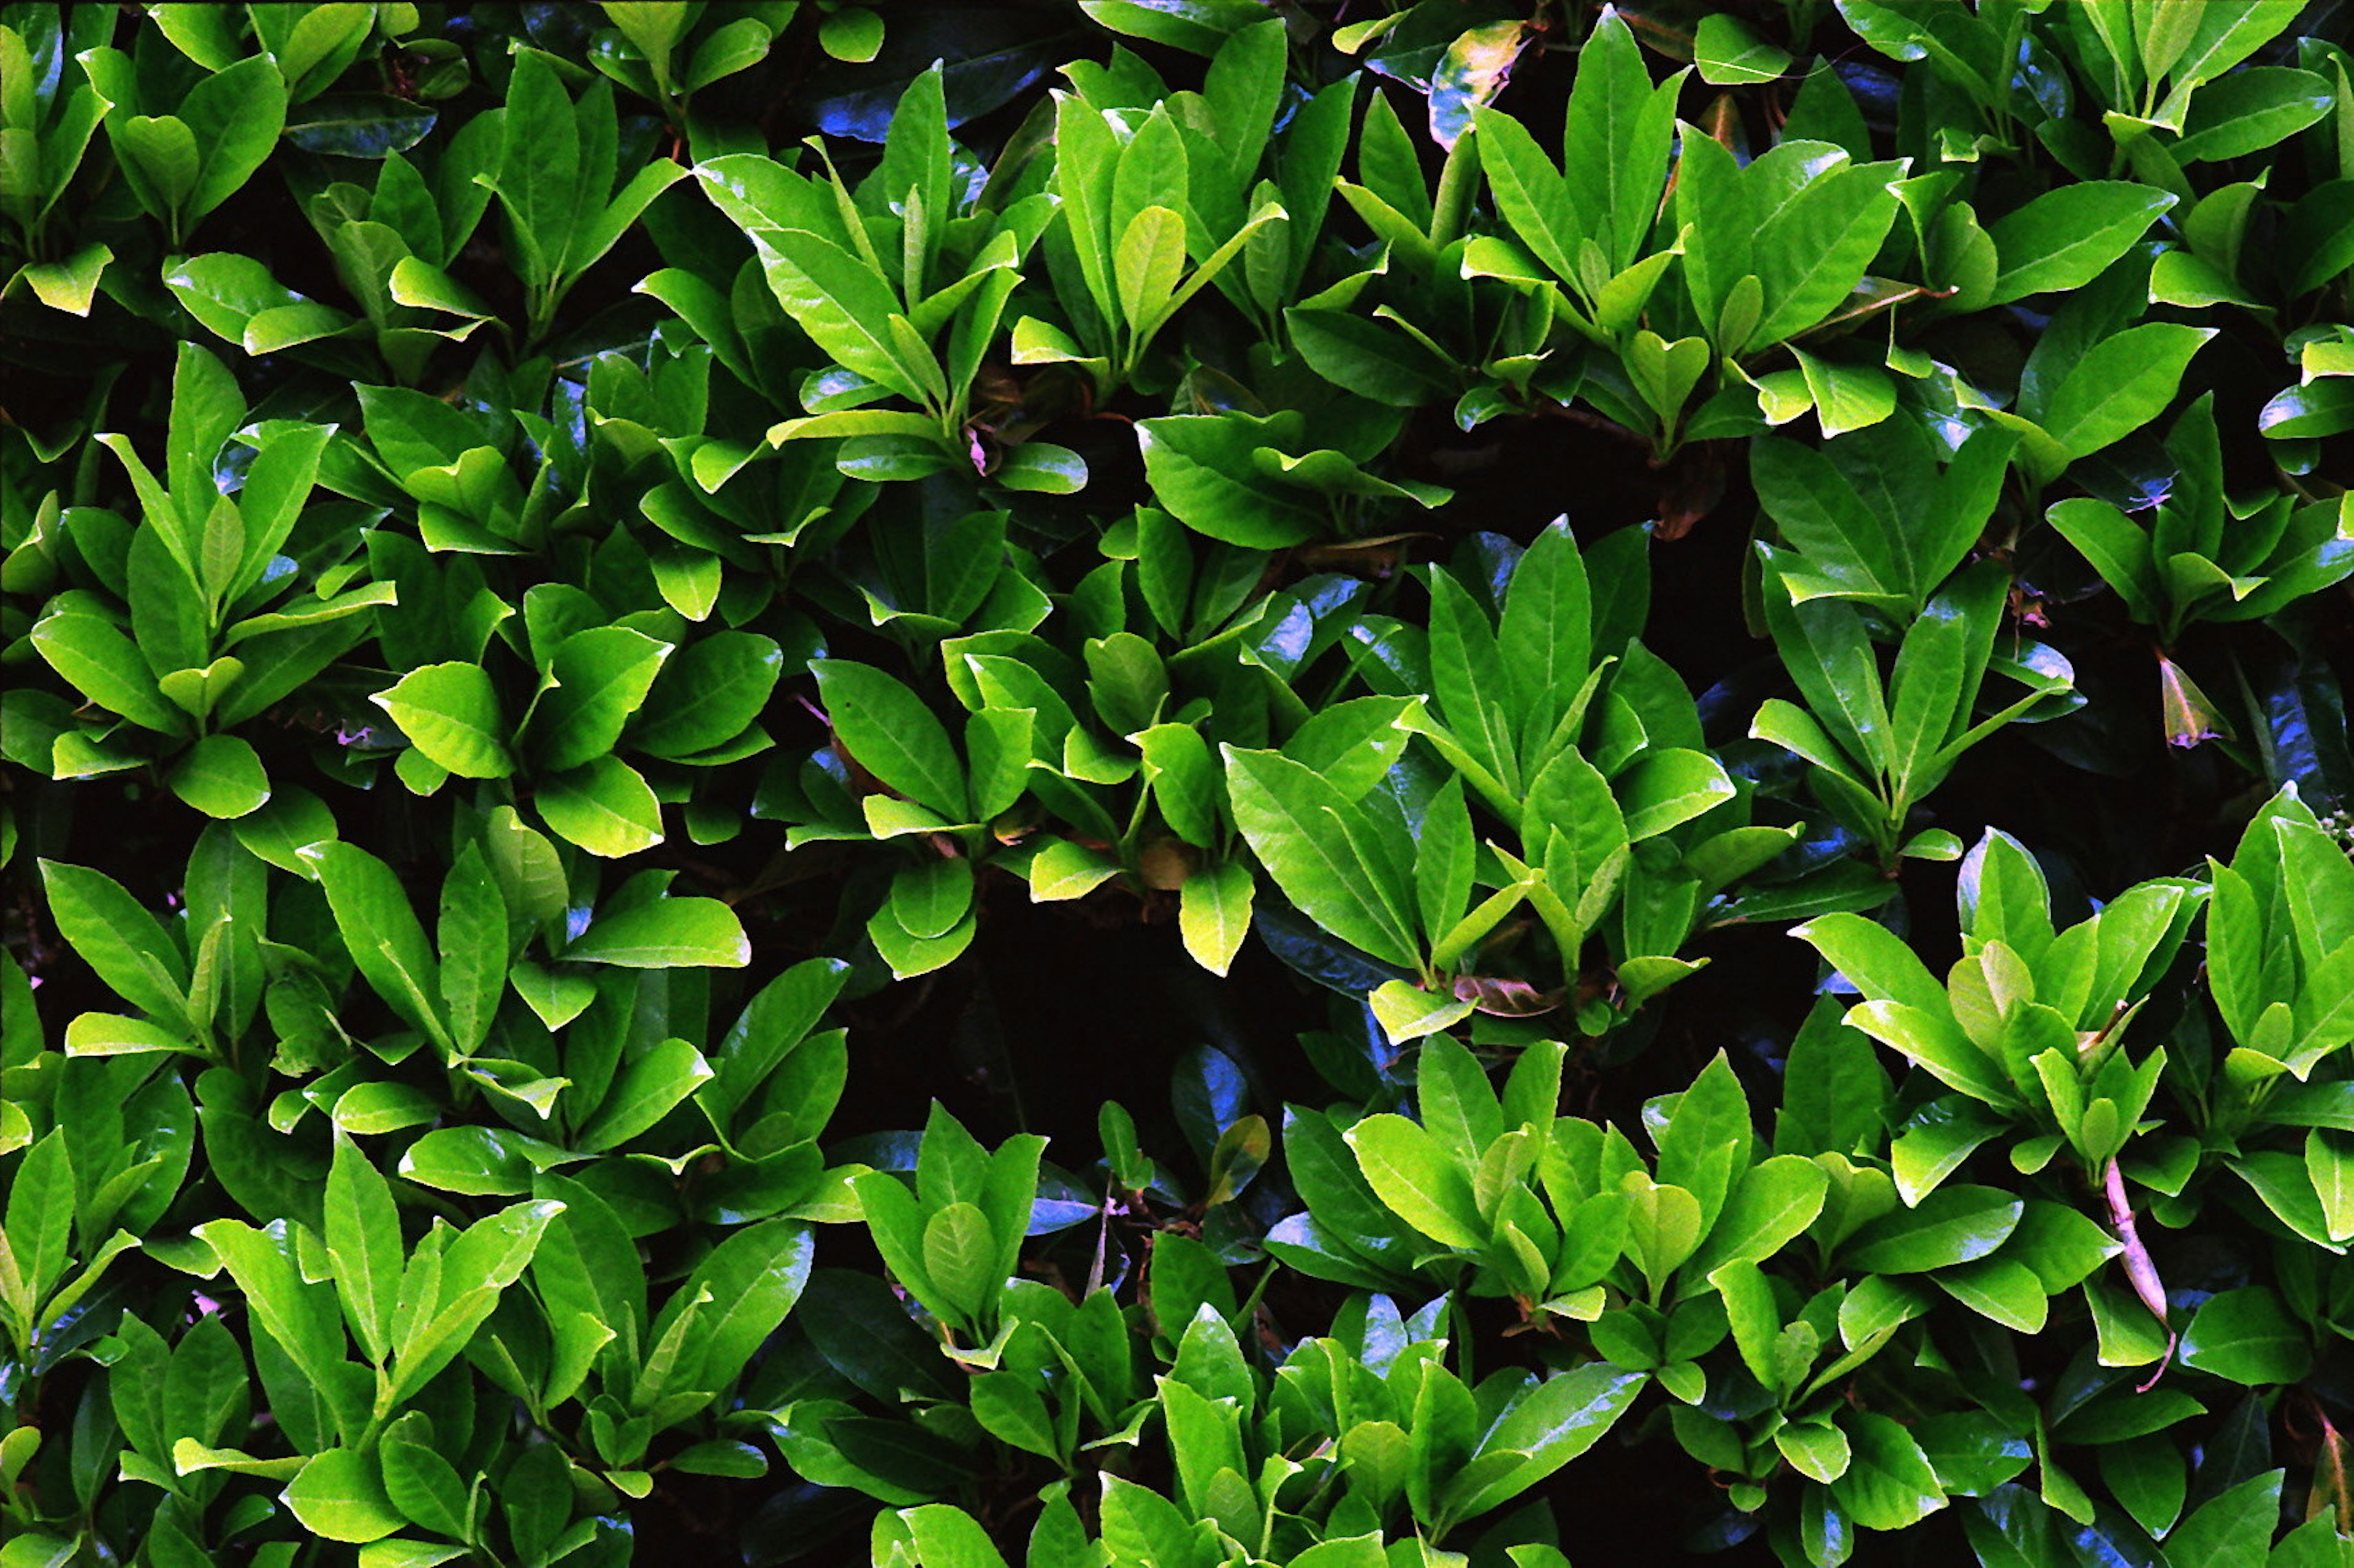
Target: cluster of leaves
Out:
[558,557]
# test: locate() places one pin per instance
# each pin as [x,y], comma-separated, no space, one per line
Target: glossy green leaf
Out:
[669,933]
[601,679]
[221,776]
[1296,823]
[892,735]
[1888,1484]
[1951,1225]
[1728,52]
[1415,1179]
[450,712]
[607,808]
[2065,237]
[2245,1336]
[340,1495]
[646,1090]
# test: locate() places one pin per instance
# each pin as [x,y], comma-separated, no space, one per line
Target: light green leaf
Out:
[606,808]
[2122,383]
[670,933]
[1729,53]
[1298,826]
[647,1089]
[2246,1337]
[1213,912]
[363,1240]
[450,712]
[602,676]
[1952,1224]
[1417,1181]
[2066,237]
[221,776]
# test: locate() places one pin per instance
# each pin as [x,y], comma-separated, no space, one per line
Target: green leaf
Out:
[71,284]
[600,678]
[2249,110]
[1530,191]
[1669,787]
[891,734]
[1875,960]
[1560,1419]
[1545,637]
[646,1090]
[1407,1013]
[368,1109]
[39,1227]
[1201,471]
[960,1257]
[1729,53]
[1846,396]
[421,1483]
[1812,245]
[480,1161]
[473,935]
[2246,1337]
[539,168]
[236,116]
[1707,1138]
[2233,1531]
[159,151]
[301,1316]
[1368,357]
[1146,258]
[199,691]
[1213,912]
[2067,236]
[383,934]
[1952,1224]
[221,776]
[130,950]
[373,125]
[1889,1484]
[854,34]
[1833,1089]
[2121,384]
[669,933]
[340,1496]
[1417,1181]
[450,712]
[2000,1288]
[755,1276]
[1816,1449]
[1971,1452]
[606,808]
[1298,826]
[557,999]
[2118,550]
[363,1240]
[1616,141]
[1772,1204]
[106,667]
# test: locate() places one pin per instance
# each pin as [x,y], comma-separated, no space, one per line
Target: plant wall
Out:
[1177,782]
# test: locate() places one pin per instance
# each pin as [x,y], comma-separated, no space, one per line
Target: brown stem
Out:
[2139,1269]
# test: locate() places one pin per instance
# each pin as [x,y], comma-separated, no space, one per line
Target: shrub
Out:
[1011,784]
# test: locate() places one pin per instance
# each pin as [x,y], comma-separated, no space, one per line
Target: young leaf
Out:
[363,1240]
[450,712]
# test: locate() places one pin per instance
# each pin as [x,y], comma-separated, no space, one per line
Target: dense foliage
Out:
[1177,782]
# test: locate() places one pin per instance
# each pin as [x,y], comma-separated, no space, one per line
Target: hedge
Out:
[1178,783]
